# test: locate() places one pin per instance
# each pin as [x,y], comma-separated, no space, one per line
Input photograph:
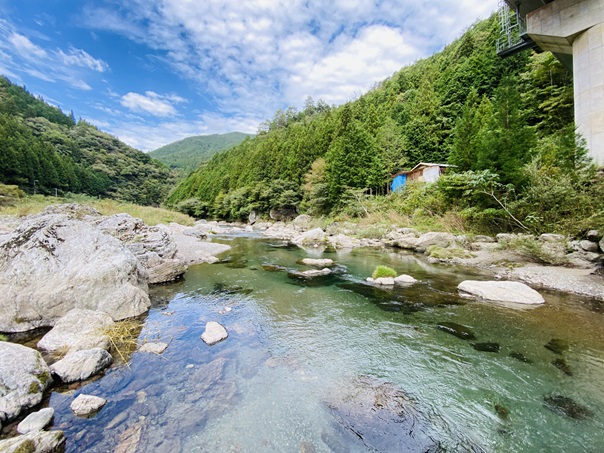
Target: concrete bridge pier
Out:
[576,28]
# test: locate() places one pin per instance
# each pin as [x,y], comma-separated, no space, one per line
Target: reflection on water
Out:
[342,366]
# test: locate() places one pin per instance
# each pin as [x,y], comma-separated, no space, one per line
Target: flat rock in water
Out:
[23,378]
[404,279]
[87,404]
[315,273]
[36,421]
[214,333]
[155,348]
[556,345]
[564,405]
[35,442]
[486,347]
[80,365]
[515,292]
[53,263]
[78,330]
[319,262]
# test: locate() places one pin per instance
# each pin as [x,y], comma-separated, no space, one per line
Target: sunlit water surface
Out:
[272,386]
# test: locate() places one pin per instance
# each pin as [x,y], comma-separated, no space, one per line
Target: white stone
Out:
[36,421]
[80,365]
[434,238]
[53,263]
[319,262]
[385,281]
[316,272]
[155,348]
[502,291]
[40,441]
[588,246]
[404,279]
[23,378]
[214,333]
[316,235]
[87,404]
[78,330]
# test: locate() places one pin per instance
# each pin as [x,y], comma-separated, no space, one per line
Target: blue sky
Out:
[154,71]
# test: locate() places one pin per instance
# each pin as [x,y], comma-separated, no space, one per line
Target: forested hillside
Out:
[187,154]
[507,124]
[42,149]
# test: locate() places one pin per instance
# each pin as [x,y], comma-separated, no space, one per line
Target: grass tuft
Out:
[383,271]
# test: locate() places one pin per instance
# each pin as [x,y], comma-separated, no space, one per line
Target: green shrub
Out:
[383,271]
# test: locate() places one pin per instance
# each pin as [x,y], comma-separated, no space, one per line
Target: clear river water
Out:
[333,364]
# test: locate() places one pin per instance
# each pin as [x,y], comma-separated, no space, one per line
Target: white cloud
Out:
[152,103]
[24,47]
[79,57]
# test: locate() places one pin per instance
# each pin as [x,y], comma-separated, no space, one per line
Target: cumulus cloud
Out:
[260,55]
[151,103]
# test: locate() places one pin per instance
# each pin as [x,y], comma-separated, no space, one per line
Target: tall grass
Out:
[149,215]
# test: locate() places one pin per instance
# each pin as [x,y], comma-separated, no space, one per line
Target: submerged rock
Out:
[36,421]
[502,412]
[80,365]
[54,263]
[214,333]
[562,366]
[377,416]
[463,332]
[564,405]
[23,378]
[520,357]
[505,291]
[557,345]
[486,347]
[85,405]
[155,348]
[34,442]
[78,330]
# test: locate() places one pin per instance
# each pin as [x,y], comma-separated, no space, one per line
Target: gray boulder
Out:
[588,246]
[314,236]
[501,291]
[550,237]
[443,240]
[78,330]
[36,421]
[23,378]
[155,348]
[214,333]
[34,442]
[80,365]
[404,279]
[87,404]
[53,263]
[593,236]
[341,241]
[153,246]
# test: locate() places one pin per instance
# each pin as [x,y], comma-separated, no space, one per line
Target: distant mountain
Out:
[43,150]
[186,154]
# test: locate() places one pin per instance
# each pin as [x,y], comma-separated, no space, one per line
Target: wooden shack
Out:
[424,171]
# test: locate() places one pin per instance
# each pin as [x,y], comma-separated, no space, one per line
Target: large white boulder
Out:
[23,378]
[214,333]
[34,442]
[78,330]
[54,263]
[314,236]
[153,246]
[501,291]
[36,421]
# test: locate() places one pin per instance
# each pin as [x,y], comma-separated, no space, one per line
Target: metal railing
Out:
[513,31]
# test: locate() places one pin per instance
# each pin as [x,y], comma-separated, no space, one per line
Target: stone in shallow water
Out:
[520,357]
[486,347]
[87,404]
[214,333]
[80,365]
[557,345]
[564,405]
[463,332]
[155,347]
[499,291]
[502,412]
[36,421]
[36,442]
[562,366]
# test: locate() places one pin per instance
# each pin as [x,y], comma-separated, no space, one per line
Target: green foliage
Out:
[187,154]
[541,252]
[43,151]
[383,272]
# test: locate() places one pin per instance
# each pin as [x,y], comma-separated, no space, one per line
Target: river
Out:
[303,360]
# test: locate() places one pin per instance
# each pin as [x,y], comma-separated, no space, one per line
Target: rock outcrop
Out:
[78,330]
[515,292]
[153,246]
[34,442]
[54,263]
[23,378]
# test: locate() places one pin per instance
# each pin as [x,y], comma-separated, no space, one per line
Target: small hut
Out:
[424,171]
